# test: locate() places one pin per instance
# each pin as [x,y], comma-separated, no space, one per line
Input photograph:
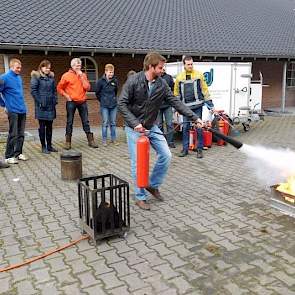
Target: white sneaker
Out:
[23,157]
[11,161]
[115,142]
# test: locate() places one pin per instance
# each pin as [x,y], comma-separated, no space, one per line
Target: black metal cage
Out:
[104,209]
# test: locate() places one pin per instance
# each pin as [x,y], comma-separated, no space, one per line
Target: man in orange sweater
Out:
[73,86]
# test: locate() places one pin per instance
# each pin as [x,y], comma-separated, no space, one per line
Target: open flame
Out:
[288,187]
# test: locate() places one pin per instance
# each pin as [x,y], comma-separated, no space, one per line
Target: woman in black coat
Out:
[44,93]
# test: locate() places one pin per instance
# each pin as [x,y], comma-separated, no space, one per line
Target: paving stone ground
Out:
[214,234]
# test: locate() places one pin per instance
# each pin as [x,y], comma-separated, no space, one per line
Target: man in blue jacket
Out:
[12,99]
[106,93]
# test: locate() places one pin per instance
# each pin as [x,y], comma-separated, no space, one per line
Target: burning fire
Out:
[288,187]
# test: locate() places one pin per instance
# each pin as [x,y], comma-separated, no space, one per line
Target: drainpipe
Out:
[6,62]
[283,103]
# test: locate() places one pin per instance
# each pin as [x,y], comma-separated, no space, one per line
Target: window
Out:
[89,67]
[291,74]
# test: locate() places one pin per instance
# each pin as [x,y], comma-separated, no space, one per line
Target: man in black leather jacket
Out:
[139,103]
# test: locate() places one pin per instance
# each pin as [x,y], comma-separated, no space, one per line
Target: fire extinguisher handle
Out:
[141,130]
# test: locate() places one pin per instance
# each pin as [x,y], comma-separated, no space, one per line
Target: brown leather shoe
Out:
[155,192]
[143,205]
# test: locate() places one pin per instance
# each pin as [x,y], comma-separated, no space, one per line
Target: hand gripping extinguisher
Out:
[143,159]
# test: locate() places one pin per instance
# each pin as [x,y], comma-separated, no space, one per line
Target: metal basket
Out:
[104,208]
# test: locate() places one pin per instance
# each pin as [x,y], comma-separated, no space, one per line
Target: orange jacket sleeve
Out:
[62,84]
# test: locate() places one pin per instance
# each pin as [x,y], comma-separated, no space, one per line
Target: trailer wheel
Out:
[246,127]
[236,120]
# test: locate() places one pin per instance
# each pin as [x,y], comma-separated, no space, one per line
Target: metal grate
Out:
[104,208]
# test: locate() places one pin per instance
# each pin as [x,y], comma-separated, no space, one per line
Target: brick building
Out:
[60,63]
[121,32]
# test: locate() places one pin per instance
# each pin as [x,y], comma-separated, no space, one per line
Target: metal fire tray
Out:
[282,201]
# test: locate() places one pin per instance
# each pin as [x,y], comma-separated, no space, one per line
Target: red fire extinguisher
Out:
[222,130]
[207,135]
[207,138]
[192,139]
[226,127]
[143,159]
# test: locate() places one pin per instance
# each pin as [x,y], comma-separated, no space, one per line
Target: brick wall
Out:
[3,117]
[60,64]
[272,72]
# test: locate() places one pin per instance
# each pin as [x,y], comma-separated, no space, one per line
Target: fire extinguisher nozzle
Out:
[237,144]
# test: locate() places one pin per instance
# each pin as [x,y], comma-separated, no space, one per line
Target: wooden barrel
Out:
[71,165]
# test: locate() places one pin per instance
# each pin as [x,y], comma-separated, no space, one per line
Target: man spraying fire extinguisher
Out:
[139,103]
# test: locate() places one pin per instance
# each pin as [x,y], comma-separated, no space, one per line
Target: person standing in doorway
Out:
[44,93]
[106,93]
[12,99]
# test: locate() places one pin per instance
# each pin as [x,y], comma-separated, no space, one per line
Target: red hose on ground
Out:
[84,237]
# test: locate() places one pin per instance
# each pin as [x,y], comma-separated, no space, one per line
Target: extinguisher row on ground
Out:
[223,127]
[143,149]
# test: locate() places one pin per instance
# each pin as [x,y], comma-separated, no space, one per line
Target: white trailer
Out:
[230,88]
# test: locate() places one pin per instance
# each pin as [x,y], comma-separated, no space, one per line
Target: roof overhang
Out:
[138,51]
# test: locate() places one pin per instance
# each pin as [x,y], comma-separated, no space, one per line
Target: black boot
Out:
[42,140]
[45,150]
[183,153]
[199,153]
[50,148]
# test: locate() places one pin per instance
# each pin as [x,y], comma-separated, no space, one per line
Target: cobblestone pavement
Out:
[214,234]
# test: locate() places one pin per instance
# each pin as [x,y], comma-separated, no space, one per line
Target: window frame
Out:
[96,69]
[290,81]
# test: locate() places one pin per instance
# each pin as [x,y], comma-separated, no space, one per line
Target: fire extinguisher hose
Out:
[146,132]
[50,252]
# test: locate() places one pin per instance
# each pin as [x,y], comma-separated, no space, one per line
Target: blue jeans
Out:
[159,144]
[83,112]
[109,116]
[185,131]
[167,113]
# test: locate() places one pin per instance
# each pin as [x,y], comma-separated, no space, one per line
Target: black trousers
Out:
[83,112]
[45,133]
[16,135]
